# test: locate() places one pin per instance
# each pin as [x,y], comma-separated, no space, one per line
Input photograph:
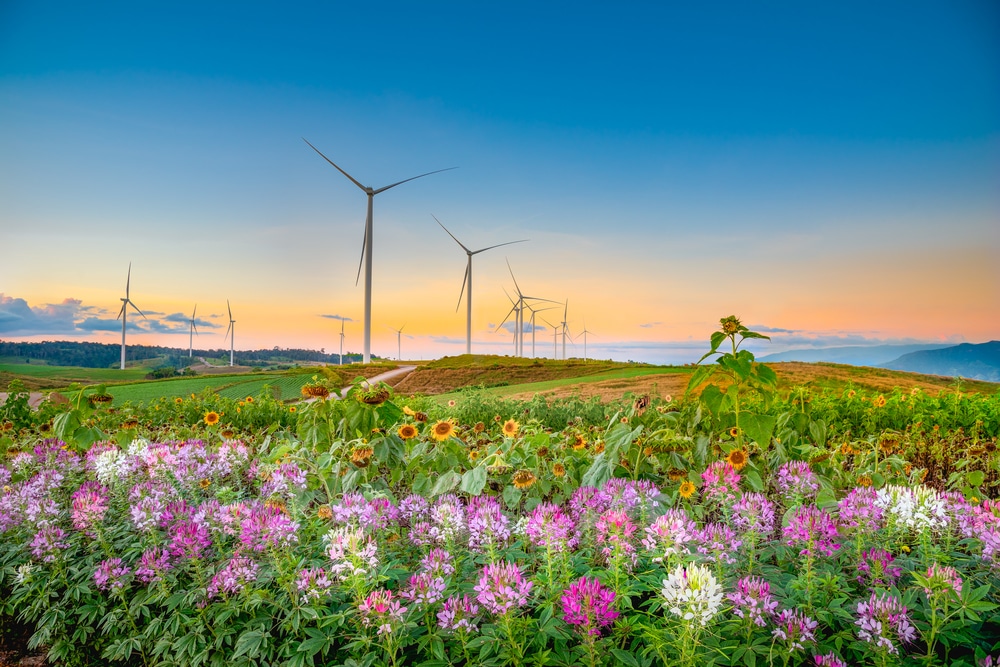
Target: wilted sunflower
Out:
[227,433]
[558,469]
[127,424]
[9,426]
[879,402]
[205,483]
[676,474]
[510,428]
[443,430]
[641,404]
[178,400]
[362,456]
[599,447]
[864,480]
[687,489]
[407,431]
[324,512]
[421,417]
[479,427]
[737,458]
[523,479]
[497,418]
[212,418]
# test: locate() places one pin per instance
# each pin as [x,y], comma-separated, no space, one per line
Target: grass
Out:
[39,376]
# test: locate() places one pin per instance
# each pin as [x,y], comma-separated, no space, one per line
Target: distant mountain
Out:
[857,355]
[977,362]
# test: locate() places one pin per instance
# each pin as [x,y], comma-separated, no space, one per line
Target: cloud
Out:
[650,325]
[338,317]
[760,328]
[181,318]
[511,327]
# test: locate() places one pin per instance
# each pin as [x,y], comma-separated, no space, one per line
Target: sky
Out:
[829,172]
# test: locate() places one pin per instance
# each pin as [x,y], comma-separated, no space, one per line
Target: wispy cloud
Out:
[342,318]
[650,325]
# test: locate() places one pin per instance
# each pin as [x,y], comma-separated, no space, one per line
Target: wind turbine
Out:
[584,334]
[520,311]
[516,310]
[555,338]
[533,312]
[341,341]
[565,329]
[366,247]
[399,342]
[230,332]
[123,313]
[192,331]
[468,281]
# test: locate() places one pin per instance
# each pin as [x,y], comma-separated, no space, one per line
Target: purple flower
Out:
[589,605]
[313,584]
[458,614]
[549,527]
[829,660]
[424,589]
[352,551]
[488,525]
[286,479]
[438,562]
[858,511]
[152,565]
[795,629]
[413,508]
[626,494]
[814,529]
[718,543]
[47,543]
[614,531]
[670,534]
[380,610]
[943,578]
[267,527]
[754,513]
[147,503]
[90,502]
[876,564]
[189,539]
[233,577]
[797,482]
[587,503]
[447,519]
[752,600]
[502,588]
[111,575]
[721,483]
[884,620]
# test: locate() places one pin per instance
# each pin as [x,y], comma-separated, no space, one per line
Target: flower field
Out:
[730,526]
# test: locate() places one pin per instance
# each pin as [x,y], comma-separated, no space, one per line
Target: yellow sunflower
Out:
[523,479]
[407,410]
[733,432]
[178,400]
[205,483]
[292,408]
[510,428]
[473,454]
[687,489]
[451,403]
[212,418]
[324,512]
[558,469]
[249,399]
[407,431]
[579,442]
[443,430]
[737,458]
[479,427]
[879,402]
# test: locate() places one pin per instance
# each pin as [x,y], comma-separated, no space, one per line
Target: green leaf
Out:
[624,657]
[249,643]
[758,427]
[446,483]
[753,480]
[474,481]
[975,478]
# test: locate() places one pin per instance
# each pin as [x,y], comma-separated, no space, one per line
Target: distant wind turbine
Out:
[555,338]
[468,281]
[366,248]
[399,343]
[341,341]
[565,329]
[520,311]
[193,330]
[584,334]
[123,313]
[516,311]
[533,312]
[231,332]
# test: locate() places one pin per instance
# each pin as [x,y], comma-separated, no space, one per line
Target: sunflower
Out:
[292,409]
[851,394]
[675,474]
[407,431]
[443,430]
[523,479]
[9,426]
[212,418]
[407,410]
[421,417]
[687,489]
[227,433]
[599,447]
[734,432]
[205,483]
[479,427]
[879,402]
[864,480]
[324,512]
[362,456]
[558,469]
[737,458]
[127,424]
[473,454]
[579,442]
[648,451]
[178,400]
[624,420]
[451,403]
[510,428]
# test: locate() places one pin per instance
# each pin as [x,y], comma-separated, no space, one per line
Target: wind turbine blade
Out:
[506,318]
[364,244]
[566,310]
[230,309]
[476,252]
[465,280]
[193,312]
[228,329]
[383,189]
[195,327]
[452,235]
[128,279]
[129,302]
[121,312]
[513,278]
[335,166]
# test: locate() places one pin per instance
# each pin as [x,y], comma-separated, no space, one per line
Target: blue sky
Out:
[831,169]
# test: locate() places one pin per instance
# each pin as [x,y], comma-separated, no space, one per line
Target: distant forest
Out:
[104,355]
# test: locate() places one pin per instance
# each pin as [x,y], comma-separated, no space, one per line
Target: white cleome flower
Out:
[692,594]
[920,508]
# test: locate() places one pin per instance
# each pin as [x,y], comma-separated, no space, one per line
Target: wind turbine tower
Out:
[522,304]
[192,331]
[585,332]
[123,313]
[341,341]
[366,248]
[564,329]
[231,332]
[399,342]
[467,281]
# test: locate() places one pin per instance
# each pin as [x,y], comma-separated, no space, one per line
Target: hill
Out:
[978,362]
[855,355]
